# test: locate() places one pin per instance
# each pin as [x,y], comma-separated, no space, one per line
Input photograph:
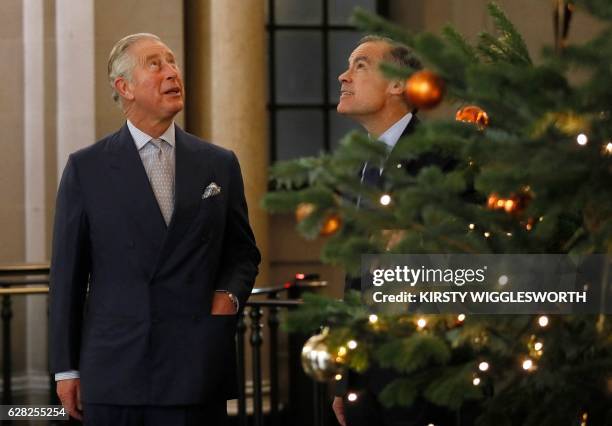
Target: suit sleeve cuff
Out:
[65,375]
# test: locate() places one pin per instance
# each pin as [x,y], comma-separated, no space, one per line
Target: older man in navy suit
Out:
[153,257]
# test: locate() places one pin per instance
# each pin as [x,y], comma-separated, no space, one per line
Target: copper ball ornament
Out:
[425,89]
[473,114]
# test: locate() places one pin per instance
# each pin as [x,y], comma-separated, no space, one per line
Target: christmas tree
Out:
[532,151]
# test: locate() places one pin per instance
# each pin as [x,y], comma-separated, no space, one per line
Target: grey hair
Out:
[399,54]
[121,62]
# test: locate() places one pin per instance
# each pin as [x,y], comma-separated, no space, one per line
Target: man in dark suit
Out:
[153,257]
[381,107]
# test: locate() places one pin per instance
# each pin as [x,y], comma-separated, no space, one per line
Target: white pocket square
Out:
[211,190]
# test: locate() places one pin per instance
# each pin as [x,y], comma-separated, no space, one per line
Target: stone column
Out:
[238,101]
[34,182]
[75,77]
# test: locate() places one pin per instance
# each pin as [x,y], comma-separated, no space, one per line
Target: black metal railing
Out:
[262,309]
[14,281]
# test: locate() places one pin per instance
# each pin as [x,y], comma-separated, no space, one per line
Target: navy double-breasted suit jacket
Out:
[130,297]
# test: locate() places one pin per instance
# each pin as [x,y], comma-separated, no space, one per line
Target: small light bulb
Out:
[543,321]
[385,199]
[421,322]
[471,226]
[351,344]
[341,351]
[476,381]
[527,364]
[509,234]
[483,366]
[608,148]
[373,319]
[399,165]
[487,234]
[461,317]
[503,280]
[582,139]
[352,397]
[538,346]
[338,377]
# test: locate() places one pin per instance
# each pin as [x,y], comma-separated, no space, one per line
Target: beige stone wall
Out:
[12,233]
[11,143]
[115,19]
[51,181]
[533,18]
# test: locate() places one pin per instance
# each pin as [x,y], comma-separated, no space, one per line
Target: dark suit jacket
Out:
[130,297]
[375,379]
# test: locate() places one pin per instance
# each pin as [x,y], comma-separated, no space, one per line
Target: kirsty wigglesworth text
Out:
[482,297]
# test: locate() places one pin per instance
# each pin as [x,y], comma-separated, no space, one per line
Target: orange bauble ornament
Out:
[473,114]
[425,89]
[331,224]
[514,204]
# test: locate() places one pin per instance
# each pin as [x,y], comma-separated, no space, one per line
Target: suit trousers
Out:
[212,414]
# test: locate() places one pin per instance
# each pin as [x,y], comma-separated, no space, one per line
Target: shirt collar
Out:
[141,138]
[393,133]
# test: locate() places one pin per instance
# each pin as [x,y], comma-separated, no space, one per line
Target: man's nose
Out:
[171,71]
[344,77]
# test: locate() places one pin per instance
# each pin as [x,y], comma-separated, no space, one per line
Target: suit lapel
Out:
[413,166]
[132,185]
[414,121]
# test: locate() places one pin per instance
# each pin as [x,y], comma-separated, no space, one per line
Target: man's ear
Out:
[124,88]
[396,87]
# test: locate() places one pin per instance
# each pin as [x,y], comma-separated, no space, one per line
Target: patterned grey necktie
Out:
[160,169]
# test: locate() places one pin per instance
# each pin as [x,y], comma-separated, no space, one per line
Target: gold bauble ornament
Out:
[473,114]
[317,359]
[303,210]
[425,89]
[330,225]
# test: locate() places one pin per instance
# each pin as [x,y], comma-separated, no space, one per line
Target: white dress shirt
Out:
[390,138]
[394,133]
